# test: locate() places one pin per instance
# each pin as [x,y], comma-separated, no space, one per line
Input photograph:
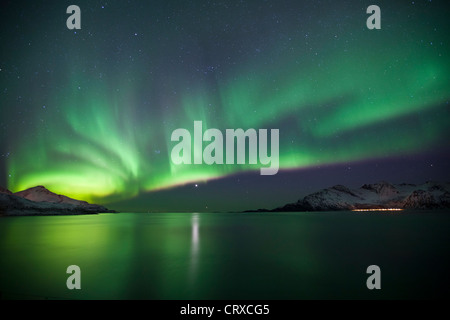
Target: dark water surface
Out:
[226,255]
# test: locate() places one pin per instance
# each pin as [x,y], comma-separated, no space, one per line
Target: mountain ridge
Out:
[381,195]
[41,201]
[42,194]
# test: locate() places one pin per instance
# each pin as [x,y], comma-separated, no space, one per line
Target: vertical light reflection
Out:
[195,245]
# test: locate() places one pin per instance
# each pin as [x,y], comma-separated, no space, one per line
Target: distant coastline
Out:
[382,196]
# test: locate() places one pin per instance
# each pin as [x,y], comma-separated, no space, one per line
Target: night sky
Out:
[89,113]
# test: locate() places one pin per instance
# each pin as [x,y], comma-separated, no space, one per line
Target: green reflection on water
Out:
[222,256]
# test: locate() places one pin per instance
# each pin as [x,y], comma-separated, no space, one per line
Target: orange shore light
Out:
[384,209]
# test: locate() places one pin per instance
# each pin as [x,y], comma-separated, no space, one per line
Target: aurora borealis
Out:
[89,113]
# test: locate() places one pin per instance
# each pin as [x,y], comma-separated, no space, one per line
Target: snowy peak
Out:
[40,201]
[337,197]
[343,189]
[42,194]
[383,189]
[420,199]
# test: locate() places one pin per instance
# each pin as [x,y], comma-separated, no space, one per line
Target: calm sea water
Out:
[226,256]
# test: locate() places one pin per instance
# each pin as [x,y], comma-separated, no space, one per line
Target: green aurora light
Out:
[379,94]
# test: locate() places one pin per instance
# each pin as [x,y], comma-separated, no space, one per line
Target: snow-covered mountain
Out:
[40,201]
[41,194]
[430,195]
